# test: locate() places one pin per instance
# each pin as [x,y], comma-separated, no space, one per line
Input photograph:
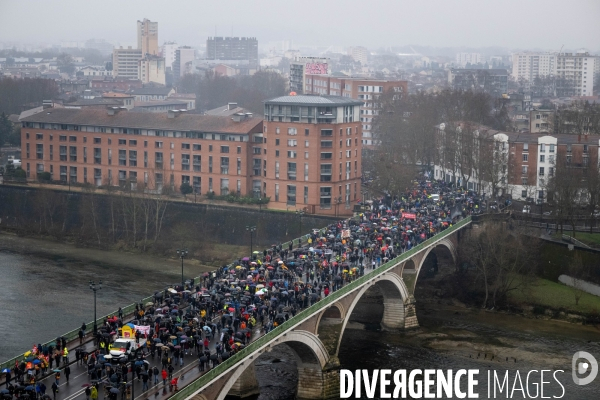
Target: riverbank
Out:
[69,252]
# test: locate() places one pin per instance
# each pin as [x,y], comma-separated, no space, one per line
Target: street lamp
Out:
[260,204]
[95,288]
[251,229]
[338,201]
[182,254]
[300,213]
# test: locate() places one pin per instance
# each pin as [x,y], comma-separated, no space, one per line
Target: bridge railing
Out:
[264,340]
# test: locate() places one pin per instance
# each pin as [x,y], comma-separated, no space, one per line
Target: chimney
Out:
[231,106]
[174,113]
[238,117]
[114,110]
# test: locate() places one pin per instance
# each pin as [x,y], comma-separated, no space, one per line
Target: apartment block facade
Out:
[367,91]
[302,66]
[232,48]
[126,63]
[310,158]
[153,150]
[147,37]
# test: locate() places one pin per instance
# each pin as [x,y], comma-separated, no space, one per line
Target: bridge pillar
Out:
[410,314]
[246,385]
[315,383]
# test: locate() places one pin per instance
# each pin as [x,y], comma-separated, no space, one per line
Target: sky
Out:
[512,24]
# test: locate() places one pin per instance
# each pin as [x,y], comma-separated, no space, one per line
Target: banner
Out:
[144,330]
[346,233]
[409,216]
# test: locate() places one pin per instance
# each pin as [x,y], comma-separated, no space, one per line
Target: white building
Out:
[529,66]
[126,62]
[184,56]
[359,54]
[462,59]
[152,69]
[168,52]
[578,70]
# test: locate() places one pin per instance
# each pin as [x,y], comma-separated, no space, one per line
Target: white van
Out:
[123,346]
[435,197]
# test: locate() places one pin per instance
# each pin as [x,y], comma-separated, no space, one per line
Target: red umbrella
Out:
[231,309]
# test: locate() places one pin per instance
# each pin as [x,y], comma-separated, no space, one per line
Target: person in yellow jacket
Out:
[65,355]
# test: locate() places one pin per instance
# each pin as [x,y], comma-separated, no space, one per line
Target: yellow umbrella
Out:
[27,354]
[238,267]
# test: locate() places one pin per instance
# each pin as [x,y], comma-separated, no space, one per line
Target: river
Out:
[45,296]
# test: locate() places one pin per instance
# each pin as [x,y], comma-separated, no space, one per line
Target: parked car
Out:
[526,209]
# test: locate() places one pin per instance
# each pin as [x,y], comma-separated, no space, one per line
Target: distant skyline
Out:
[513,24]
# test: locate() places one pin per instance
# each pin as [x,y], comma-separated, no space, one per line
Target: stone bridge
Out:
[315,334]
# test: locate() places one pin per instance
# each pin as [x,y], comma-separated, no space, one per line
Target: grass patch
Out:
[543,292]
[591,239]
[217,254]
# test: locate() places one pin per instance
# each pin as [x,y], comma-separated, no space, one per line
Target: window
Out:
[291,195]
[291,171]
[524,170]
[585,148]
[224,149]
[326,143]
[551,148]
[51,152]
[122,142]
[197,181]
[210,164]
[122,157]
[277,130]
[61,138]
[239,166]
[185,146]
[305,194]
[276,142]
[524,194]
[197,147]
[542,158]
[277,192]
[306,143]
[551,171]
[158,160]
[276,153]
[541,171]
[185,162]
[39,150]
[63,173]
[326,132]
[256,150]
[39,136]
[85,155]
[525,157]
[292,131]
[306,132]
[292,143]
[326,172]
[158,145]
[73,174]
[542,148]
[326,156]
[210,147]
[72,138]
[97,140]
[224,187]
[292,154]
[225,165]
[276,169]
[239,149]
[325,197]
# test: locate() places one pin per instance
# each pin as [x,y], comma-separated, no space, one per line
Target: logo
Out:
[581,367]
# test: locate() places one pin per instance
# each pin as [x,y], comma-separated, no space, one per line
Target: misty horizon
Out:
[506,26]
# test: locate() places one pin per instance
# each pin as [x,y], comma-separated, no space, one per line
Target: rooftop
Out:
[151,90]
[317,100]
[159,121]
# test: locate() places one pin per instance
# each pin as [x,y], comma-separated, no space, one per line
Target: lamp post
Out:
[300,213]
[251,229]
[95,287]
[338,201]
[182,254]
[260,204]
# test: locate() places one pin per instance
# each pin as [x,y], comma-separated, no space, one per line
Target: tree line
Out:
[249,91]
[17,93]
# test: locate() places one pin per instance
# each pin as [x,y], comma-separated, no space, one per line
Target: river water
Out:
[44,297]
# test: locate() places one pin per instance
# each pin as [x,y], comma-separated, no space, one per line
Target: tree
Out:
[6,129]
[65,64]
[578,273]
[565,187]
[185,189]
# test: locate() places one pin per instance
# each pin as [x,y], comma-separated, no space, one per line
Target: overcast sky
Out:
[515,24]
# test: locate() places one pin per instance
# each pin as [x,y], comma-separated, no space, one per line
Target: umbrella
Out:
[171,290]
[4,391]
[86,385]
[5,370]
[36,361]
[256,252]
[148,304]
[29,388]
[114,390]
[159,345]
[56,370]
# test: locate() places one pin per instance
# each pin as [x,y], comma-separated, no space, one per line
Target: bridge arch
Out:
[395,295]
[311,357]
[443,249]
[327,313]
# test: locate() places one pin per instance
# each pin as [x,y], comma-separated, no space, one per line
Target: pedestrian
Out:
[81,335]
[57,378]
[156,372]
[120,312]
[8,378]
[164,377]
[94,393]
[88,391]
[54,390]
[171,369]
[67,372]
[145,381]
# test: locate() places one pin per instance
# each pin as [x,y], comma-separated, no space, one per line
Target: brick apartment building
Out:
[367,91]
[117,147]
[313,160]
[305,155]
